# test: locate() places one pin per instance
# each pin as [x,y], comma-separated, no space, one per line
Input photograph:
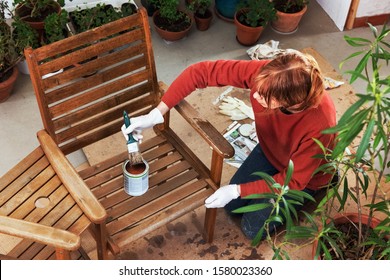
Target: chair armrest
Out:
[205,129]
[71,179]
[57,238]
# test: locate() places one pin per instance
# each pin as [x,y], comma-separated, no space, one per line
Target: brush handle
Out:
[127,124]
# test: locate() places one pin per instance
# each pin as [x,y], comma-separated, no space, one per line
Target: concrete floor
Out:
[20,120]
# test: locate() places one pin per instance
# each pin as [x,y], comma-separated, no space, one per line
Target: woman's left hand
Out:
[222,196]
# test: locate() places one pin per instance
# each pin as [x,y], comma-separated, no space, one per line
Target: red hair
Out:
[292,79]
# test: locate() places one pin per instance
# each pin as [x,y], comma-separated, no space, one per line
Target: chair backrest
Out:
[101,73]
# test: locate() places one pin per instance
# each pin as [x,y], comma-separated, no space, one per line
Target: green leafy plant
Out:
[37,9]
[290,6]
[85,18]
[361,156]
[366,120]
[256,12]
[282,200]
[8,53]
[199,7]
[169,10]
[24,35]
[55,27]
[169,16]
[13,39]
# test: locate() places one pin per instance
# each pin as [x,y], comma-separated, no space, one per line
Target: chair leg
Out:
[101,241]
[209,224]
[62,254]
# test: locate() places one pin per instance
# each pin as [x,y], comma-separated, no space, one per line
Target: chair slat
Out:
[153,207]
[72,87]
[78,40]
[23,179]
[125,203]
[23,209]
[88,53]
[20,167]
[154,222]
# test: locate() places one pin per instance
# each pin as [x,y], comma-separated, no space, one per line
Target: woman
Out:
[291,107]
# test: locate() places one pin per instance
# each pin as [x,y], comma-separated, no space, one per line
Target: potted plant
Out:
[24,36]
[250,19]
[202,13]
[34,12]
[364,168]
[86,17]
[55,27]
[170,22]
[9,56]
[363,186]
[288,15]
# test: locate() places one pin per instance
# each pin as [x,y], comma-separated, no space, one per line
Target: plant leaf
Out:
[365,141]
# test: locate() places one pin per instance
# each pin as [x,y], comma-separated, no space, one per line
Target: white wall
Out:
[373,7]
[337,10]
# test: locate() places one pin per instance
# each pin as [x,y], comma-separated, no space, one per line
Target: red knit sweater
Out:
[282,136]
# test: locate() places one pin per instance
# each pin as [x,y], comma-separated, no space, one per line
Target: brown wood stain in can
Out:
[135,169]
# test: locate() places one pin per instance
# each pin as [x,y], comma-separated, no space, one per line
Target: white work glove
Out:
[137,124]
[236,109]
[222,196]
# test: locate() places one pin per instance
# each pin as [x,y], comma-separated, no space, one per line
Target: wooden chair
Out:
[105,71]
[43,203]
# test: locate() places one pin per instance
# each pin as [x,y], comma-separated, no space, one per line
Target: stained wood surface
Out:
[21,190]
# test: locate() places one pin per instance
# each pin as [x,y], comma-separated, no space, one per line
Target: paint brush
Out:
[135,156]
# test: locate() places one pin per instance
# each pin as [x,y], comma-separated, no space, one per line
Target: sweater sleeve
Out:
[237,73]
[304,166]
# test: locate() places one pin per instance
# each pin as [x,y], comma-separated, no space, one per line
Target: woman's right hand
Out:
[137,124]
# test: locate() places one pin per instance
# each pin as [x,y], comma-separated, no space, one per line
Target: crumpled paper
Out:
[332,83]
[266,51]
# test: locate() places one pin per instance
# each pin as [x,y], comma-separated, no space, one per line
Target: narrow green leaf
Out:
[356,41]
[349,57]
[267,178]
[290,170]
[365,141]
[258,237]
[345,118]
[261,195]
[252,208]
[373,29]
[361,65]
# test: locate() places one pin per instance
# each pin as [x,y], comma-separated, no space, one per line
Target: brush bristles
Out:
[135,158]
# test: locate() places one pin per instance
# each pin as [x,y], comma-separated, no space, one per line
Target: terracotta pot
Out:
[37,24]
[170,35]
[287,23]
[347,218]
[203,23]
[7,86]
[247,35]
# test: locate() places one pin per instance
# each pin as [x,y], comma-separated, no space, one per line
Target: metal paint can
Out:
[136,178]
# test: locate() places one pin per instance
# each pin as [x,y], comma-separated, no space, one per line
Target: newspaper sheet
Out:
[243,138]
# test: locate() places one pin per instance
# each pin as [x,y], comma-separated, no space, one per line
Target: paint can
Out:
[136,178]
